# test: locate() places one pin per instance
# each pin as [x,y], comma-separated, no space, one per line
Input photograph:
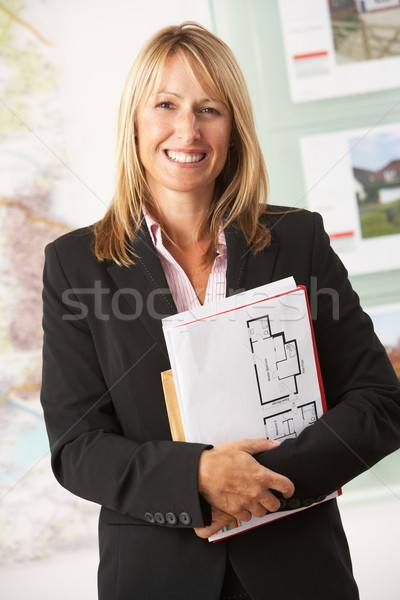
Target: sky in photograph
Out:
[373,151]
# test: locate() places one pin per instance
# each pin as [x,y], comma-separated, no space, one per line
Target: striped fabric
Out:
[182,290]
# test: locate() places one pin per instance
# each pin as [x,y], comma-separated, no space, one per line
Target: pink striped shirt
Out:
[182,290]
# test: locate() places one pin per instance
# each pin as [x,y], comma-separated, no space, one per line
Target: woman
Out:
[188,225]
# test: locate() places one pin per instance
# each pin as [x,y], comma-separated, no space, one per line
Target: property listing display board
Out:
[328,118]
[386,321]
[342,47]
[352,179]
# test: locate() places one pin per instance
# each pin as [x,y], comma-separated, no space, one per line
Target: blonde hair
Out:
[240,193]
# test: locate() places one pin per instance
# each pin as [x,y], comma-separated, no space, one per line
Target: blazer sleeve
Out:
[362,424]
[90,456]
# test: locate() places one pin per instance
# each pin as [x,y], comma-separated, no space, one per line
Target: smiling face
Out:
[183,134]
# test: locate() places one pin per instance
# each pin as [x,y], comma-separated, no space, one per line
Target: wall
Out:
[58,115]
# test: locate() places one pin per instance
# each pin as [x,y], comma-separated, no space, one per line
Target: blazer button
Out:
[283,505]
[172,519]
[149,517]
[160,518]
[294,503]
[320,498]
[308,501]
[185,519]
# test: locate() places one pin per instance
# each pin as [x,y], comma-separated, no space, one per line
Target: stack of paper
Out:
[244,367]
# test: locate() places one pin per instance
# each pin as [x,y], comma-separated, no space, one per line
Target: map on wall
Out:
[62,70]
[37,517]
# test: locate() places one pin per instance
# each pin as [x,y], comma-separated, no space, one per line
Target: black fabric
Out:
[110,439]
[233,589]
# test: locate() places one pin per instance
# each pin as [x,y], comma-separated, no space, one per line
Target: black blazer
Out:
[110,439]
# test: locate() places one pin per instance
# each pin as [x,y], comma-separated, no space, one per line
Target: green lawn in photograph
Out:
[380,219]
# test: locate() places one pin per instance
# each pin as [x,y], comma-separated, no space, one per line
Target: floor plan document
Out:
[246,367]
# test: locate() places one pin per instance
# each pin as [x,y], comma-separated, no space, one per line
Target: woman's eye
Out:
[209,110]
[164,105]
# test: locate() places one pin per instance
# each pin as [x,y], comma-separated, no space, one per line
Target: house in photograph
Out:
[362,179]
[360,191]
[378,199]
[389,195]
[367,6]
[364,176]
[342,9]
[365,29]
[390,172]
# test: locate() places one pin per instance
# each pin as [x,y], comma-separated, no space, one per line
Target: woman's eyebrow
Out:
[205,99]
[159,93]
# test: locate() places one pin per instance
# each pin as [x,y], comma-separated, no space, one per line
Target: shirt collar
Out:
[156,236]
[154,229]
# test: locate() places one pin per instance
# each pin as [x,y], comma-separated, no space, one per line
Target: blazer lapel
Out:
[238,255]
[246,270]
[146,287]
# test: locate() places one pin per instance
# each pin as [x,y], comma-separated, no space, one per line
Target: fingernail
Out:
[276,442]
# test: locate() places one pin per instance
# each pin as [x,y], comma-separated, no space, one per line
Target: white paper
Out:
[245,367]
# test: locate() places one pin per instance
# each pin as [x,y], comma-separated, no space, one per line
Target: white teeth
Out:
[182,157]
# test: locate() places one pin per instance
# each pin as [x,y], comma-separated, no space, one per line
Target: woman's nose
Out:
[187,126]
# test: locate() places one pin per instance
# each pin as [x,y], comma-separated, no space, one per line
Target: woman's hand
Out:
[218,520]
[232,481]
